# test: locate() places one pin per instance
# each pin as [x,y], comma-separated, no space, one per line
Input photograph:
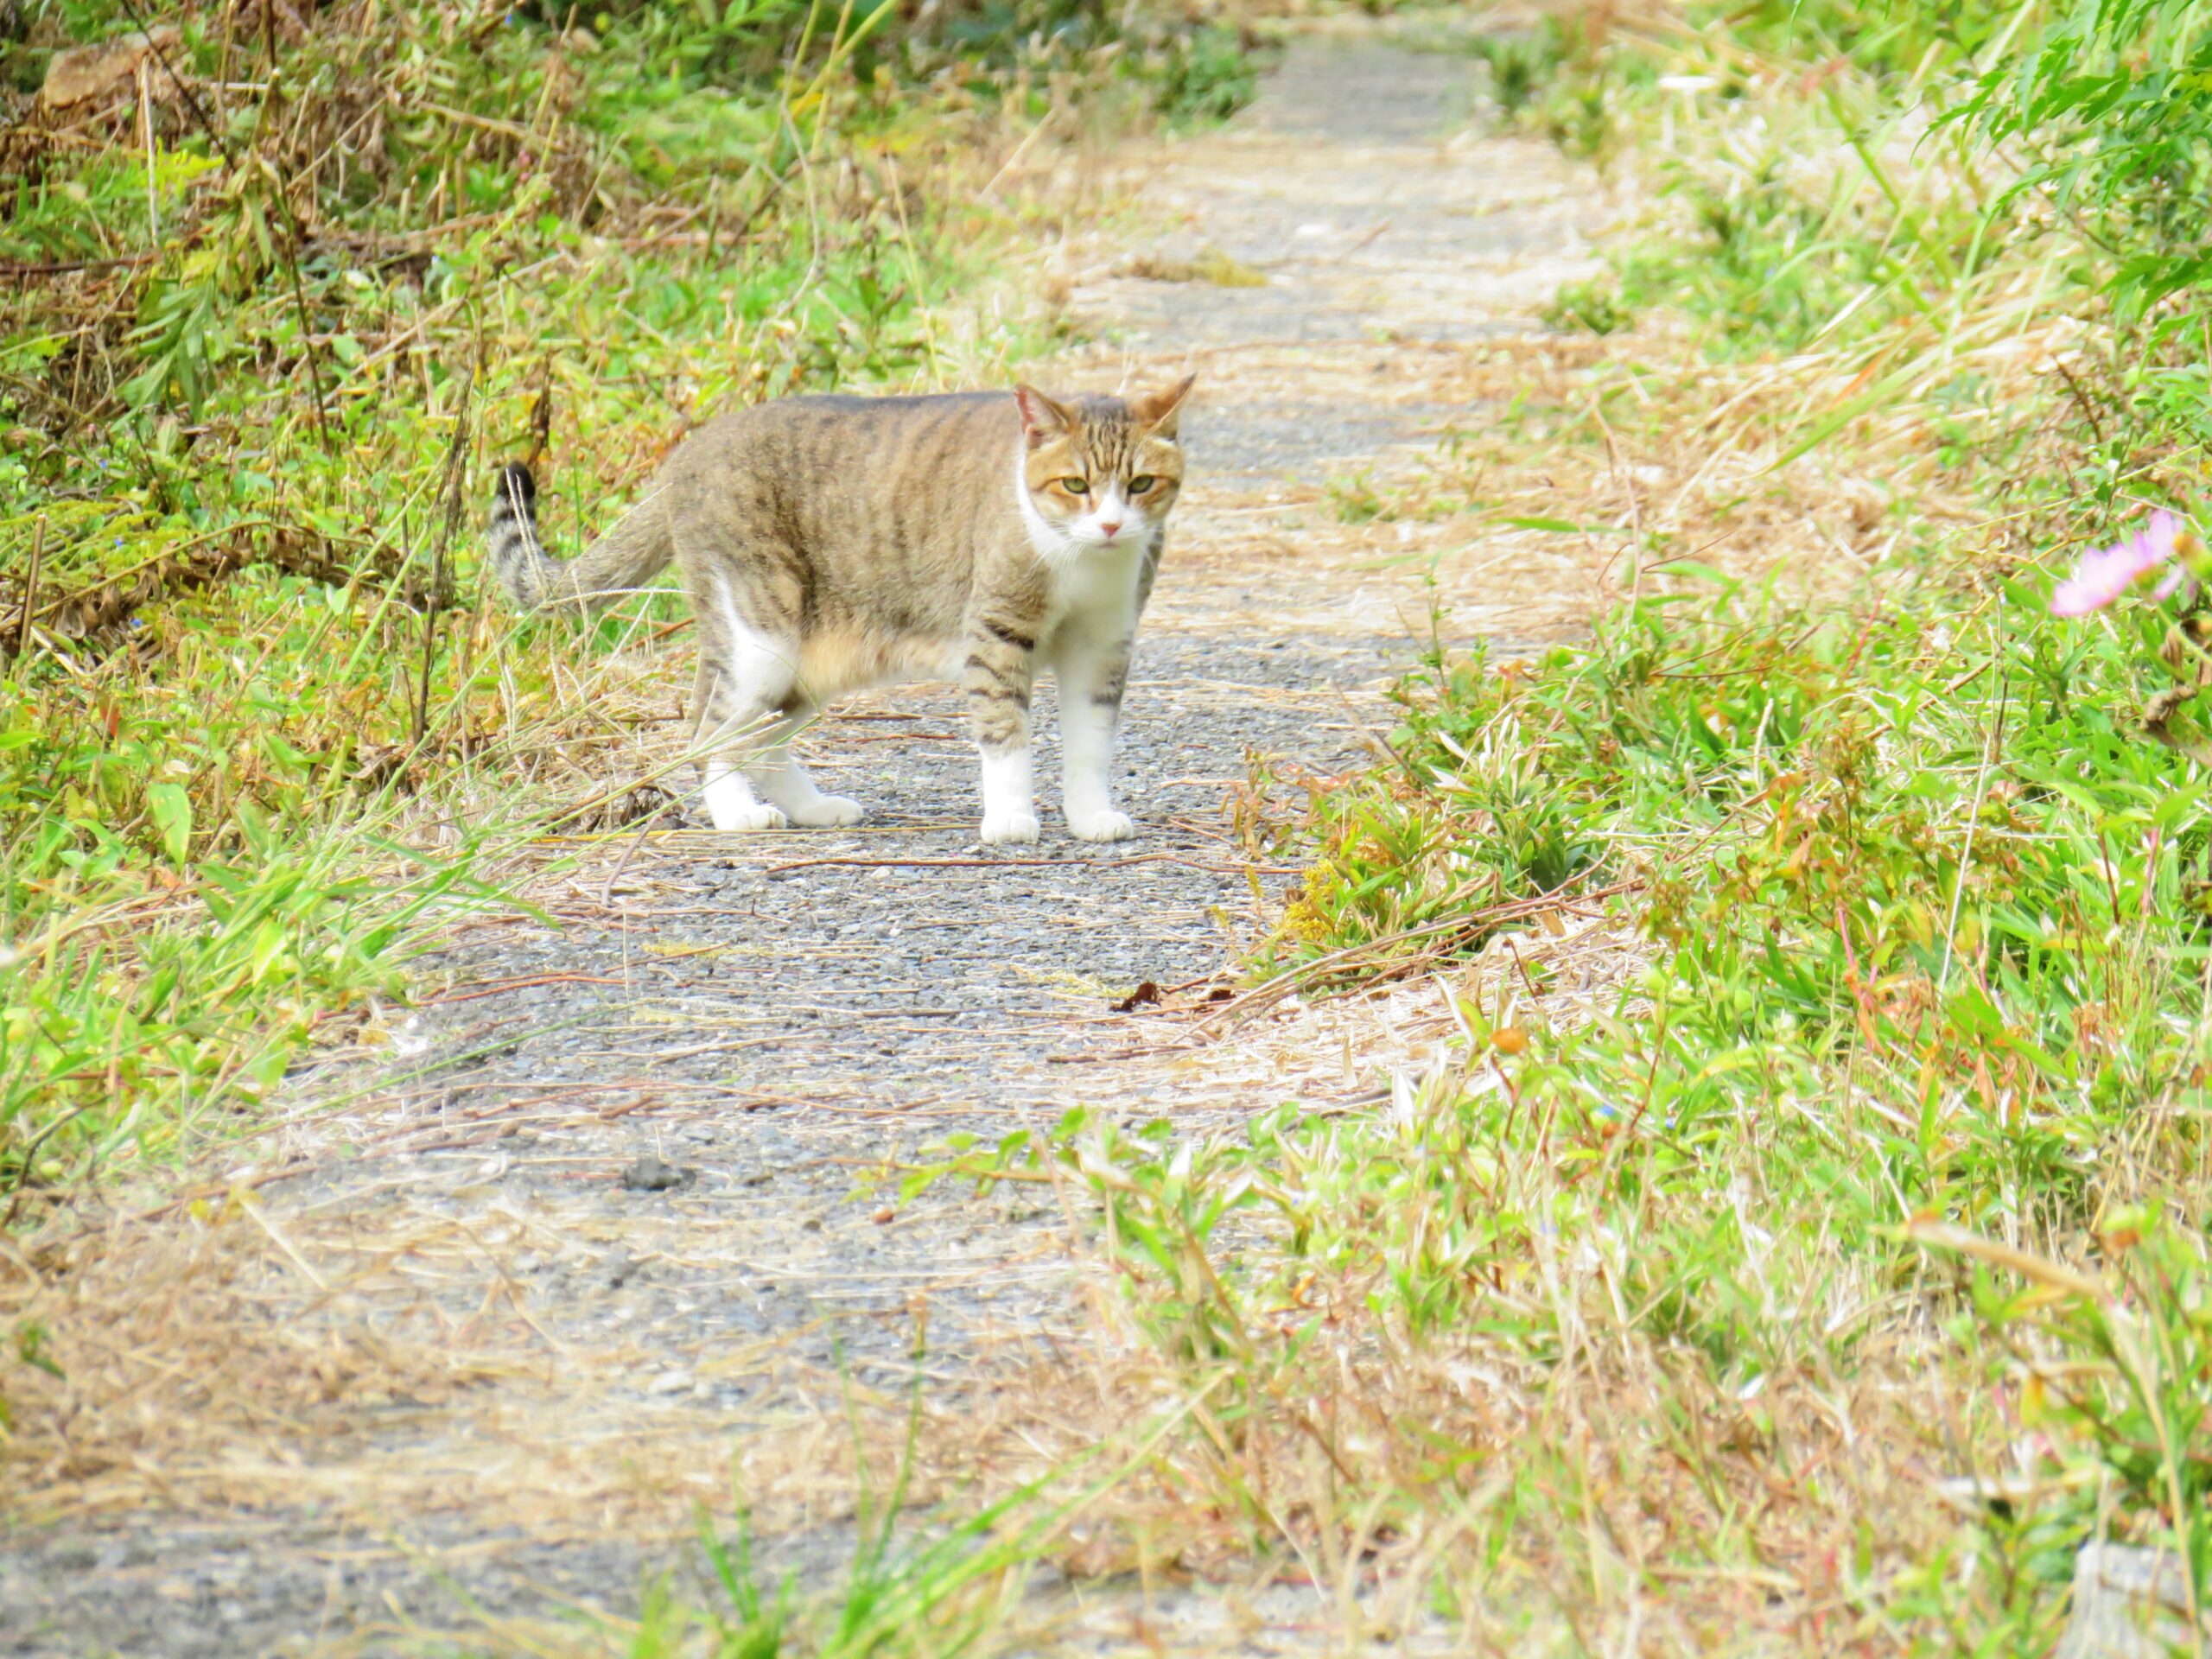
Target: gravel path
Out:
[462,1353]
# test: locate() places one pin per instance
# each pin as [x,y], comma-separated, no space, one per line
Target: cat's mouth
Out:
[1121,533]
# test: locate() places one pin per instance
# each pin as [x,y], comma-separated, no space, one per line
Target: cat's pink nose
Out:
[1108,526]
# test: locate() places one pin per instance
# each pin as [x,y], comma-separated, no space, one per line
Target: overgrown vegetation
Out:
[1809,1214]
[273,282]
[1798,1231]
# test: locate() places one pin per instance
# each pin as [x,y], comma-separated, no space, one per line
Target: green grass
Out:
[263,727]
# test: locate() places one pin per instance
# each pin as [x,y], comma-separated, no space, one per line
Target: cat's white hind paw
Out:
[731,804]
[1002,828]
[829,812]
[752,815]
[1101,826]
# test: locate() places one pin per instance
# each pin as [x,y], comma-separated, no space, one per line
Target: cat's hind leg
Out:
[786,783]
[729,713]
[749,705]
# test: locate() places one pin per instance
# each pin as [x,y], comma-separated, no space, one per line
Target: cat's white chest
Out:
[1096,594]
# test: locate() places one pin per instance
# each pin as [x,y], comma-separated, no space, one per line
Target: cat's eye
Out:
[1138,486]
[1076,486]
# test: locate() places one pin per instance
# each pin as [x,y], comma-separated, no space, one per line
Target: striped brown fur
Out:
[828,543]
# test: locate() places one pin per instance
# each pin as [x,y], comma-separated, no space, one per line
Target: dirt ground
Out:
[447,1359]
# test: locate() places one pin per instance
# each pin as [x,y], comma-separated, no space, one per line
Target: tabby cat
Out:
[828,544]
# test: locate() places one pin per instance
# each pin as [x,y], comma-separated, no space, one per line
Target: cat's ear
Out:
[1042,419]
[1156,413]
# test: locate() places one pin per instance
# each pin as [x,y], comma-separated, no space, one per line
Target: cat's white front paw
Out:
[1003,827]
[829,812]
[1108,826]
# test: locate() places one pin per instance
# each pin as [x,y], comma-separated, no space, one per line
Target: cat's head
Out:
[1101,472]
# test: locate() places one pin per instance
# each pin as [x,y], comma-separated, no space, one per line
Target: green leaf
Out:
[172,811]
[269,941]
[1562,526]
[1698,569]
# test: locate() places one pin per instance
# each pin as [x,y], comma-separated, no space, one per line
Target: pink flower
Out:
[2104,575]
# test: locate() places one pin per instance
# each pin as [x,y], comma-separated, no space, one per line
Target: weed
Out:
[1522,65]
[1355,500]
[1594,308]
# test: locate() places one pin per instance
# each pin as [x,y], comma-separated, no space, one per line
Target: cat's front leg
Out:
[999,670]
[1092,679]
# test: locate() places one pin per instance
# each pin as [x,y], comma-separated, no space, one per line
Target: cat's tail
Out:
[628,555]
